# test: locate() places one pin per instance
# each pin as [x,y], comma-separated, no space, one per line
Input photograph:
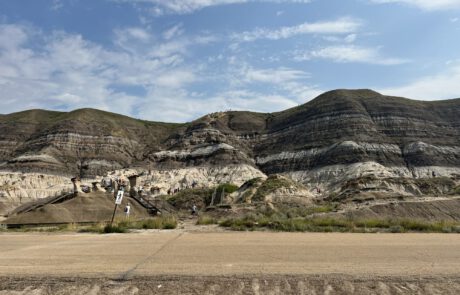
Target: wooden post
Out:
[113,215]
[213,196]
[222,195]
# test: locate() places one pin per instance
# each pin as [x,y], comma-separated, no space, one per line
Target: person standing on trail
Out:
[127,210]
[194,209]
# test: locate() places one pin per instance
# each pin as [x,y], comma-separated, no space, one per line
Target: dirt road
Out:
[230,263]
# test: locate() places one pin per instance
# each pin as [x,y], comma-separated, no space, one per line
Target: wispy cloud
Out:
[56,5]
[278,75]
[349,54]
[139,75]
[292,84]
[442,85]
[428,5]
[174,31]
[160,7]
[68,72]
[344,25]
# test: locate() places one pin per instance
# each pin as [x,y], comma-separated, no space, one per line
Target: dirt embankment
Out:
[92,207]
[234,285]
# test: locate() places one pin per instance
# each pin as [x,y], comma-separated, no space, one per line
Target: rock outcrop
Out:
[337,128]
[20,188]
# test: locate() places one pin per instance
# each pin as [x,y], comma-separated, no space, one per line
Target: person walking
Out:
[127,210]
[194,209]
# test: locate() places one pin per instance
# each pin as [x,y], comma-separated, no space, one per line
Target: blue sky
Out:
[175,60]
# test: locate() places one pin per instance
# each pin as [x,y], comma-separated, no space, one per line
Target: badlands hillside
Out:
[356,148]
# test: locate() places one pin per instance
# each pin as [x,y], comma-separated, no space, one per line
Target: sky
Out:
[176,60]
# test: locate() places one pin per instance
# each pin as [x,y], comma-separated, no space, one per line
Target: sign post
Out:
[117,202]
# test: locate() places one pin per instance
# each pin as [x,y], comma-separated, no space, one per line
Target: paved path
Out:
[125,256]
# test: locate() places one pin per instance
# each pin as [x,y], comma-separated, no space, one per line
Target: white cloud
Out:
[349,54]
[344,25]
[428,5]
[56,5]
[180,106]
[443,85]
[161,7]
[279,75]
[12,36]
[350,38]
[285,82]
[129,37]
[65,71]
[174,31]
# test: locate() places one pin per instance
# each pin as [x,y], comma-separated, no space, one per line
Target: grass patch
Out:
[119,226]
[94,228]
[228,187]
[279,222]
[271,184]
[160,222]
[114,229]
[206,220]
[123,226]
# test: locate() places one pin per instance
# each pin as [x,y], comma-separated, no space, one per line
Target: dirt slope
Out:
[95,206]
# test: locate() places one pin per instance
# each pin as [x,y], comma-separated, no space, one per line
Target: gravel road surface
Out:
[230,263]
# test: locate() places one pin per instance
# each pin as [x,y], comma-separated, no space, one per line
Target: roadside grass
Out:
[206,220]
[122,226]
[278,222]
[119,226]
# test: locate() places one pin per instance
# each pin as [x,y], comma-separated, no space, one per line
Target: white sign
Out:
[119,197]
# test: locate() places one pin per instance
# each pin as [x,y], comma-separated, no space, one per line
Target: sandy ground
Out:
[179,262]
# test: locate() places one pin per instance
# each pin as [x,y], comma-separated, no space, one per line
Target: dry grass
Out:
[328,224]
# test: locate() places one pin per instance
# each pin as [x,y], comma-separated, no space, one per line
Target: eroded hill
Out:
[336,128]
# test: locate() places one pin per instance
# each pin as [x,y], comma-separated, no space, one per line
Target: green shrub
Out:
[373,223]
[282,222]
[114,229]
[228,187]
[396,229]
[169,222]
[151,223]
[159,222]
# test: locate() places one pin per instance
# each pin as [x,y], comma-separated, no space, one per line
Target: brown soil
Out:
[233,285]
[91,207]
